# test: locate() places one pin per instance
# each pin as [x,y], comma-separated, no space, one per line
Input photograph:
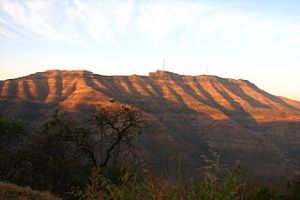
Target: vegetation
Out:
[12,136]
[98,159]
[14,192]
[217,183]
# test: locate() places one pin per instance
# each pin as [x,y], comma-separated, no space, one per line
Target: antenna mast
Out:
[207,69]
[164,65]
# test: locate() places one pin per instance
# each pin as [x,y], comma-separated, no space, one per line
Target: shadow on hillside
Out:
[275,99]
[235,88]
[42,84]
[179,128]
[11,89]
[238,114]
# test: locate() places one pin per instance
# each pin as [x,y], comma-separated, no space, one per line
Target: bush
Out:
[217,183]
[13,192]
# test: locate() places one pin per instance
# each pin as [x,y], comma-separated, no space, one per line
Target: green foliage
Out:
[217,183]
[10,130]
[294,188]
[98,162]
[60,156]
[266,193]
[12,135]
[291,192]
[52,159]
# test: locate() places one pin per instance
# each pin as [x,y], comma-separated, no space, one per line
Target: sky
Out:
[257,40]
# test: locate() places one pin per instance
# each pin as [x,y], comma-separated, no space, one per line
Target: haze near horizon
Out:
[257,41]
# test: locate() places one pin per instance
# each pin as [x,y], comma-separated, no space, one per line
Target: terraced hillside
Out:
[241,120]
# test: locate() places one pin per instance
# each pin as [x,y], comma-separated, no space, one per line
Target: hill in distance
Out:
[241,120]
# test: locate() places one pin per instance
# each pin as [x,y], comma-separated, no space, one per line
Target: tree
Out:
[61,155]
[12,134]
[117,130]
[52,159]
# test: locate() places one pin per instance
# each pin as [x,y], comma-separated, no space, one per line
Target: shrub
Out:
[217,183]
[13,192]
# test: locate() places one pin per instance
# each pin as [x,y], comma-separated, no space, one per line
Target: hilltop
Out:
[243,121]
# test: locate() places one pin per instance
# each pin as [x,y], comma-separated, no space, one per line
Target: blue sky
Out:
[254,40]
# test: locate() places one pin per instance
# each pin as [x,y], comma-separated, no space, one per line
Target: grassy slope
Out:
[13,192]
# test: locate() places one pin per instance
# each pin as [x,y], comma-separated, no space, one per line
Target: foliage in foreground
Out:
[62,158]
[216,183]
[14,192]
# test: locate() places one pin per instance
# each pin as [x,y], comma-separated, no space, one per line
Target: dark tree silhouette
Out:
[117,129]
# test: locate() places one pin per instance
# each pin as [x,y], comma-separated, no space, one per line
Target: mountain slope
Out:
[10,191]
[241,120]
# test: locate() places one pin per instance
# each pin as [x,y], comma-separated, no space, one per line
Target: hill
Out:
[241,120]
[13,192]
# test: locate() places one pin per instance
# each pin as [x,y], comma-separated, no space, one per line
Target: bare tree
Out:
[117,129]
[111,132]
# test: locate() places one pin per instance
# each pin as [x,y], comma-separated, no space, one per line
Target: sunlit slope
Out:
[212,96]
[243,121]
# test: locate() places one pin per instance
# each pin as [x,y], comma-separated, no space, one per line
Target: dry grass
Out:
[13,192]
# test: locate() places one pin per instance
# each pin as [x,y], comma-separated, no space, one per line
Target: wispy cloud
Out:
[104,21]
[6,34]
[109,21]
[31,16]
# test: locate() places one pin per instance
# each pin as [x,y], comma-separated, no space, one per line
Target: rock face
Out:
[242,121]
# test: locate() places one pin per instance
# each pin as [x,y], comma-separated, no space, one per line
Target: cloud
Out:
[101,22]
[124,13]
[6,34]
[94,18]
[104,21]
[157,20]
[31,16]
[10,31]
